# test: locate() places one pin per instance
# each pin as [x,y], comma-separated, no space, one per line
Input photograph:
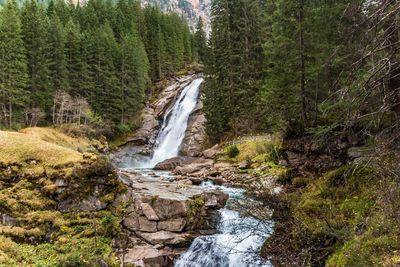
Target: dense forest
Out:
[304,65]
[325,75]
[64,63]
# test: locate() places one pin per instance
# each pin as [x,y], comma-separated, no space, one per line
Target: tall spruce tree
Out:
[105,91]
[200,41]
[234,67]
[34,31]
[57,62]
[133,75]
[13,64]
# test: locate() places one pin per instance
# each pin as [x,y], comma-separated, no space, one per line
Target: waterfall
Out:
[175,124]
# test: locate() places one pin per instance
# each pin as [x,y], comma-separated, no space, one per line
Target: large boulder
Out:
[194,167]
[153,205]
[149,256]
[170,164]
[212,153]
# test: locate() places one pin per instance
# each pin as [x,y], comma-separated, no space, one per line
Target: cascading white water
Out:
[175,124]
[236,244]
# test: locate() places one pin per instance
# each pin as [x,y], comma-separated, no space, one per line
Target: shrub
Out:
[123,128]
[232,151]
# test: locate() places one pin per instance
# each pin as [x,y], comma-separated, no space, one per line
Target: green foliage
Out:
[200,42]
[103,52]
[13,63]
[232,151]
[234,68]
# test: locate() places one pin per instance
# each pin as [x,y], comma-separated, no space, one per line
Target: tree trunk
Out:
[302,66]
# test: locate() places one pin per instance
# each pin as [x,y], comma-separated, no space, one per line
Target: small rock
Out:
[149,212]
[196,180]
[217,180]
[245,165]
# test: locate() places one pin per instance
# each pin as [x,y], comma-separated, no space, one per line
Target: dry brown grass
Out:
[55,136]
[24,148]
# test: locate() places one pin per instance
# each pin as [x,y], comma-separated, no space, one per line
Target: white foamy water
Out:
[175,124]
[236,244]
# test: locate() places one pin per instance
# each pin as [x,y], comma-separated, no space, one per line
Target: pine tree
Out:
[217,103]
[57,64]
[200,41]
[73,57]
[13,64]
[133,76]
[154,42]
[34,29]
[105,91]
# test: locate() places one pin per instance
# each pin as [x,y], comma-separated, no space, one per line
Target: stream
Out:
[239,235]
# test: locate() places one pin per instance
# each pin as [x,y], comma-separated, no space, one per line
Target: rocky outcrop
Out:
[309,156]
[149,126]
[195,135]
[164,215]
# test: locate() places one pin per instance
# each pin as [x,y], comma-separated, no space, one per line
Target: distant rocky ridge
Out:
[189,9]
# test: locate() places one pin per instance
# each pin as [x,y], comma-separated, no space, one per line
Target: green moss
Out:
[195,205]
[363,251]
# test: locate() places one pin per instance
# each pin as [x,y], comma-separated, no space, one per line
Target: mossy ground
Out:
[340,219]
[264,154]
[30,163]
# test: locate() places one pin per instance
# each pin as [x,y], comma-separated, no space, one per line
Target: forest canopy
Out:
[65,63]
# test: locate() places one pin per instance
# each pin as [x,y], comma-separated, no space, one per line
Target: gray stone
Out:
[166,238]
[172,225]
[8,220]
[147,226]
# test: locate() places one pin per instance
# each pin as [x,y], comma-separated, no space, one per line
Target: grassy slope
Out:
[30,162]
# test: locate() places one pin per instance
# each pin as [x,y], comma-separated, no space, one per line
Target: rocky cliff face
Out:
[190,9]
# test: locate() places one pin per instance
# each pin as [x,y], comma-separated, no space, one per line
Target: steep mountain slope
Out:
[190,9]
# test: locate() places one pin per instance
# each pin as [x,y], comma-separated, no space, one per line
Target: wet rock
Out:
[150,124]
[196,133]
[196,180]
[217,180]
[196,166]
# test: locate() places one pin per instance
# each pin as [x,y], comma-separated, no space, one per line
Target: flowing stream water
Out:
[239,236]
